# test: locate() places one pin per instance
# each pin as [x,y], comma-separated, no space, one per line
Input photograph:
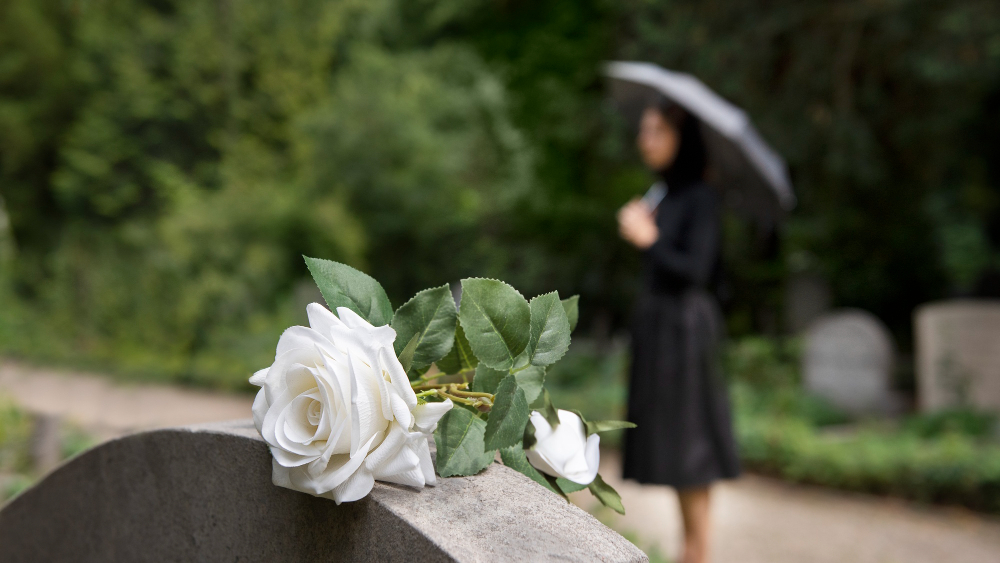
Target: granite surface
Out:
[204,493]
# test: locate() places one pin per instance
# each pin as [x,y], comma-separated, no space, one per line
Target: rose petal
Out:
[355,488]
[259,409]
[281,475]
[540,463]
[389,447]
[400,411]
[300,337]
[291,361]
[322,320]
[289,459]
[338,471]
[289,418]
[412,478]
[366,419]
[397,376]
[352,319]
[422,448]
[258,377]
[427,415]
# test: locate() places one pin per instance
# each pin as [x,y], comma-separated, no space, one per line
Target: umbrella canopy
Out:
[753,177]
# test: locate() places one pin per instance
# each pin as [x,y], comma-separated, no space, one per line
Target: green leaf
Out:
[431,316]
[508,416]
[487,379]
[406,356]
[459,439]
[531,380]
[496,320]
[460,359]
[607,495]
[571,306]
[343,286]
[543,404]
[606,425]
[529,440]
[568,486]
[549,330]
[514,458]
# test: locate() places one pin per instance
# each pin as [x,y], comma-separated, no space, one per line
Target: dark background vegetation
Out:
[164,164]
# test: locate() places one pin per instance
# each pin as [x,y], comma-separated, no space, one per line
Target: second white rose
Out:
[338,412]
[567,451]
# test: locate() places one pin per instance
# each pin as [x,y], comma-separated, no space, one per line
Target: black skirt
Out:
[677,397]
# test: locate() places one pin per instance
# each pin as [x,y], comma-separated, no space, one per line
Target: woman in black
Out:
[677,397]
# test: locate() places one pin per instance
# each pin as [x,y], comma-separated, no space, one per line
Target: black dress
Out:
[677,397]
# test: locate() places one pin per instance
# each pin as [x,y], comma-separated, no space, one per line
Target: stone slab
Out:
[204,493]
[848,361]
[958,354]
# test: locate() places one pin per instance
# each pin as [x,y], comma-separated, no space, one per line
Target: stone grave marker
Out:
[958,354]
[205,494]
[848,361]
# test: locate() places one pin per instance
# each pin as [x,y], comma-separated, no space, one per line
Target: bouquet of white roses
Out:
[355,396]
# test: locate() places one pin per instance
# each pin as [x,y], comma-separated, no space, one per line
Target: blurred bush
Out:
[950,468]
[163,163]
[193,152]
[17,468]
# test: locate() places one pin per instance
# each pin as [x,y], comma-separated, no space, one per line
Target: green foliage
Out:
[965,422]
[508,417]
[16,464]
[163,164]
[487,379]
[531,380]
[430,316]
[550,330]
[947,468]
[597,426]
[866,157]
[607,495]
[343,286]
[460,359]
[763,361]
[496,320]
[572,307]
[406,354]
[15,439]
[567,486]
[460,446]
[514,458]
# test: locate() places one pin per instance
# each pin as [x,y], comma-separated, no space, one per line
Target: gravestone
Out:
[205,494]
[958,354]
[848,361]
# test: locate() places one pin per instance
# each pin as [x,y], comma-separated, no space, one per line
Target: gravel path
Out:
[109,408]
[762,520]
[757,520]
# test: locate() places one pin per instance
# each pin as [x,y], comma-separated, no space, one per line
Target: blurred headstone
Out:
[46,442]
[848,361]
[958,354]
[807,297]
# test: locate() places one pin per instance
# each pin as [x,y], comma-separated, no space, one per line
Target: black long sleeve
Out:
[687,251]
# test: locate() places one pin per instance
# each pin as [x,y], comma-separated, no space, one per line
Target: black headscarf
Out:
[689,165]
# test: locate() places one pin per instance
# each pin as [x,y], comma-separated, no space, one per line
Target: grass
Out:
[17,469]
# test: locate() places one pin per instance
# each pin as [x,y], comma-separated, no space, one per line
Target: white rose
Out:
[338,412]
[566,452]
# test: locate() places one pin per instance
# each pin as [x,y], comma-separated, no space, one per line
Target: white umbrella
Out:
[753,176]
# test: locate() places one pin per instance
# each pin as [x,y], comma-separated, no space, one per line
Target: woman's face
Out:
[658,140]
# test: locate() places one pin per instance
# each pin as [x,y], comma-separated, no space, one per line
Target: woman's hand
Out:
[637,225]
